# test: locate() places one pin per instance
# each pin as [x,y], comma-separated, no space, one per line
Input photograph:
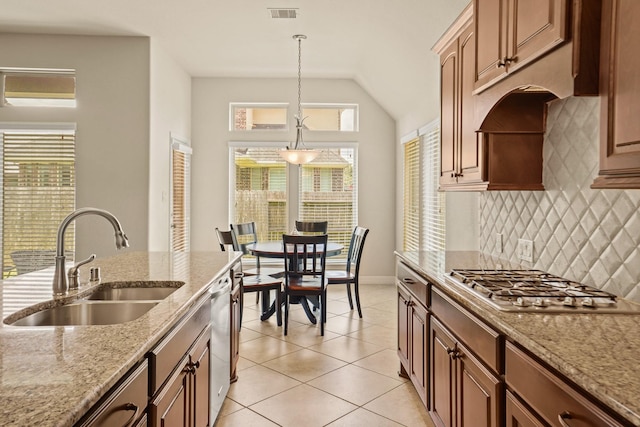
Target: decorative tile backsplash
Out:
[591,236]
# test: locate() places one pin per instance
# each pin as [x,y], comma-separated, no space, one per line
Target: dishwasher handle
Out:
[221,290]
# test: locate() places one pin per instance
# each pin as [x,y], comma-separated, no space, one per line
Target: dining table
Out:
[275,249]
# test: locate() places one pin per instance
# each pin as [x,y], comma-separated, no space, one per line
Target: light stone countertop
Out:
[599,352]
[51,376]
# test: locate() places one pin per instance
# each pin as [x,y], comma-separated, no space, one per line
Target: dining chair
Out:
[244,234]
[350,274]
[304,263]
[312,227]
[225,239]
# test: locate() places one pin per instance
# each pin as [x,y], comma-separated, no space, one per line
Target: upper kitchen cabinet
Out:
[460,149]
[513,33]
[620,103]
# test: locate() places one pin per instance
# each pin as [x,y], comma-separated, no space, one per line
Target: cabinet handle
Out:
[408,280]
[506,61]
[411,303]
[453,353]
[131,407]
[565,415]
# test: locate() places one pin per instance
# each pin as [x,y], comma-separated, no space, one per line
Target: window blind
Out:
[432,205]
[180,198]
[38,192]
[411,196]
[329,192]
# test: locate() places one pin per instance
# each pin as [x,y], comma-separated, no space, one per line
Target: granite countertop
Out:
[51,376]
[599,352]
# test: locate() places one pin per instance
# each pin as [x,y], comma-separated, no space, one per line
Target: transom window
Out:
[38,89]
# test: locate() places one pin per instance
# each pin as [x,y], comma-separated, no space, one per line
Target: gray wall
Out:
[376,156]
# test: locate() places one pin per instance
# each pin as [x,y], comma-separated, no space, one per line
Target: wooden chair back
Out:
[312,227]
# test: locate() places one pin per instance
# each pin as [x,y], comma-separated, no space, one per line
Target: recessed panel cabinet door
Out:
[619,102]
[419,345]
[491,43]
[442,380]
[403,327]
[449,114]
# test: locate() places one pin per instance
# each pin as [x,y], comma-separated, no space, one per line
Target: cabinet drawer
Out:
[165,356]
[417,285]
[484,341]
[125,404]
[548,395]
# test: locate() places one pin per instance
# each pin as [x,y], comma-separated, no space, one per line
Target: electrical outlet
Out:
[525,250]
[499,248]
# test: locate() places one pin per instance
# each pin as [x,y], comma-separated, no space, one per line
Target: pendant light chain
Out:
[299,76]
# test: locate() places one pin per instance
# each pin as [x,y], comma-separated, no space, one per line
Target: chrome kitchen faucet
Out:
[60,284]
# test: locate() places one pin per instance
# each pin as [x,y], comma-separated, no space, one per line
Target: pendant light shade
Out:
[296,154]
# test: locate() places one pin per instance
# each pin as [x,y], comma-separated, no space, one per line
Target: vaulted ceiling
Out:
[384,45]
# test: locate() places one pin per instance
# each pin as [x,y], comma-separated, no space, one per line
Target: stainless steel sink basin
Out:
[87,313]
[132,294]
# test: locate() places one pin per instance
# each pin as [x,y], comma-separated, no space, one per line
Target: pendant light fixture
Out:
[298,155]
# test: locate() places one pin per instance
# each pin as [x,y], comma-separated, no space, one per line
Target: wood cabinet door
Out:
[491,44]
[478,392]
[201,382]
[534,27]
[442,378]
[470,149]
[619,88]
[171,406]
[517,415]
[449,114]
[403,327]
[418,360]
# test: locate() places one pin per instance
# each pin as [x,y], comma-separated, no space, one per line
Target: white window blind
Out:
[329,192]
[38,192]
[423,210]
[180,197]
[432,205]
[411,196]
[260,190]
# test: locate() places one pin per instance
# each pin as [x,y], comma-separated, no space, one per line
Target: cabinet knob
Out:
[505,61]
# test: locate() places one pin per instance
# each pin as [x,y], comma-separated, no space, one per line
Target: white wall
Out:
[170,114]
[376,156]
[112,116]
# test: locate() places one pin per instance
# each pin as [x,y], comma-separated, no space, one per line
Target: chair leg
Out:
[279,306]
[349,295]
[357,292]
[323,303]
[286,313]
[258,297]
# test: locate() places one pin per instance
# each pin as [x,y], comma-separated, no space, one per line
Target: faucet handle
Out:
[73,272]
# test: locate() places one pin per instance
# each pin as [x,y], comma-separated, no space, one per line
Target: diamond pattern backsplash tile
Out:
[591,236]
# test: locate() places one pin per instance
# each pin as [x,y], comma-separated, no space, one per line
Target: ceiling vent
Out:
[284,13]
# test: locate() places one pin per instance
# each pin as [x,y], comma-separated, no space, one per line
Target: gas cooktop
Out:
[535,290]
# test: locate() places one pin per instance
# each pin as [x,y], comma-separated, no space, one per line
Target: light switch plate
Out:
[525,250]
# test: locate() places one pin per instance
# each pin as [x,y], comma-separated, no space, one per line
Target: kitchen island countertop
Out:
[51,376]
[599,352]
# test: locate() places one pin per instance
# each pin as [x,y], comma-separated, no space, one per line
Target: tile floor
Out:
[346,378]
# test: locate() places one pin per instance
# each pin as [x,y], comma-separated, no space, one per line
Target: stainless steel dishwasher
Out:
[220,343]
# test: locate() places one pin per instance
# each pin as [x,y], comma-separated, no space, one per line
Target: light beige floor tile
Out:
[303,406]
[304,365]
[244,364]
[307,335]
[267,327]
[266,348]
[372,315]
[384,362]
[347,349]
[339,307]
[228,407]
[244,418]
[402,405]
[247,334]
[385,306]
[258,383]
[378,334]
[345,324]
[363,418]
[354,384]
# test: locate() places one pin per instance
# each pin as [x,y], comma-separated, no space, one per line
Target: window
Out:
[332,117]
[180,196]
[327,190]
[38,192]
[33,89]
[247,116]
[423,205]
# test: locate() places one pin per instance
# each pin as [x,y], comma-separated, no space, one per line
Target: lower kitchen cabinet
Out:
[413,336]
[550,397]
[236,325]
[517,415]
[463,392]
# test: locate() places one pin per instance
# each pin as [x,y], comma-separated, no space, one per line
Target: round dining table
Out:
[275,249]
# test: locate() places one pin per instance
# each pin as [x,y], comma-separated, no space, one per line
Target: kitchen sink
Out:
[135,293]
[87,313]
